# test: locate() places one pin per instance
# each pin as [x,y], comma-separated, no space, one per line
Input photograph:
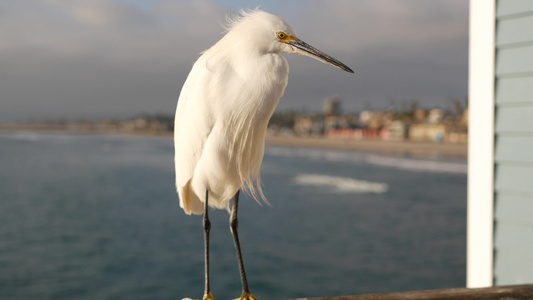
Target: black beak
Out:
[303,48]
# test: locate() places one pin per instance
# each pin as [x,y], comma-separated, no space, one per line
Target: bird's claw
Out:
[246,296]
[208,296]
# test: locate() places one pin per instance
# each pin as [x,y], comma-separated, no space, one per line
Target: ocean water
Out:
[96,217]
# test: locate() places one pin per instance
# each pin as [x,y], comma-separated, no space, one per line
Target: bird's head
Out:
[270,33]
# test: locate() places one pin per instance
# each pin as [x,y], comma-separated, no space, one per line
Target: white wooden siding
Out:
[513,172]
[513,7]
[514,90]
[514,120]
[516,209]
[513,60]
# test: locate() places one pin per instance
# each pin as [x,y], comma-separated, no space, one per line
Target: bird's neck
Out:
[243,54]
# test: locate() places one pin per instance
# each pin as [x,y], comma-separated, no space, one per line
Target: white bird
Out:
[222,116]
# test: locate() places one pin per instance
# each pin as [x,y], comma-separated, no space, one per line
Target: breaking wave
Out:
[358,158]
[22,135]
[33,136]
[341,184]
[418,165]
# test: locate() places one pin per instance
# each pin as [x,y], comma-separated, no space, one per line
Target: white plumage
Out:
[225,105]
[222,117]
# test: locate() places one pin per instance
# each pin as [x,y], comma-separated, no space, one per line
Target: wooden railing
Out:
[516,292]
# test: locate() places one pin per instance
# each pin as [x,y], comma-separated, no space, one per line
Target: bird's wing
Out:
[192,125]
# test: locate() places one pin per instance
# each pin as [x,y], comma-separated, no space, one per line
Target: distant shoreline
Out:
[420,149]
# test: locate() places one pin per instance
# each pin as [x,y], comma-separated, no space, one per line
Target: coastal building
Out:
[309,125]
[397,130]
[332,106]
[435,116]
[303,125]
[375,120]
[500,166]
[365,116]
[420,115]
[427,132]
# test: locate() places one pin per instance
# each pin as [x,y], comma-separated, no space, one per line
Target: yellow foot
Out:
[208,297]
[246,296]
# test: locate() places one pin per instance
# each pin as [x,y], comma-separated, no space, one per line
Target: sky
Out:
[93,59]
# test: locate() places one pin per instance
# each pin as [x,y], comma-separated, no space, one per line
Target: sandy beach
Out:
[424,149]
[421,149]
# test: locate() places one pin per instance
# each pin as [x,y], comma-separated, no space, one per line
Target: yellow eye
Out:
[281,35]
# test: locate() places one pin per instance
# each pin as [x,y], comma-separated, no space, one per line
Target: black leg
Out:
[207,228]
[234,224]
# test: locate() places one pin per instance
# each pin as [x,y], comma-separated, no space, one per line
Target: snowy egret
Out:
[222,116]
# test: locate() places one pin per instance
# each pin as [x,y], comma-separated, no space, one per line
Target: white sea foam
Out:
[26,136]
[341,184]
[358,158]
[33,136]
[418,164]
[292,152]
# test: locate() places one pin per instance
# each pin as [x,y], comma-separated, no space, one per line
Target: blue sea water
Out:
[96,217]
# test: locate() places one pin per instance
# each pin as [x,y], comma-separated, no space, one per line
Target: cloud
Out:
[89,58]
[412,49]
[99,13]
[373,24]
[107,28]
[63,58]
